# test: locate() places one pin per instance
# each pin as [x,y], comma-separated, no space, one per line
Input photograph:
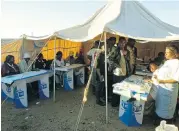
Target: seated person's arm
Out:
[3,71]
[21,67]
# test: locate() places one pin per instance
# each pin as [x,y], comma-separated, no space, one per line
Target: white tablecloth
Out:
[133,86]
[67,68]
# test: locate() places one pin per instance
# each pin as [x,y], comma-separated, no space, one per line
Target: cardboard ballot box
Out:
[131,113]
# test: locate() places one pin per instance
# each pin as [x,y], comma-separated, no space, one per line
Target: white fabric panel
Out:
[137,22]
[93,26]
[126,18]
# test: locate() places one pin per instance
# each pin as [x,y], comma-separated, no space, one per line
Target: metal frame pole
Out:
[54,82]
[106,83]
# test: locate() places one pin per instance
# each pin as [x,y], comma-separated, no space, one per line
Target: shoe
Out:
[104,99]
[57,87]
[100,103]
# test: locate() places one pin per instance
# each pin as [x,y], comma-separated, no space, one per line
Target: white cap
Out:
[26,55]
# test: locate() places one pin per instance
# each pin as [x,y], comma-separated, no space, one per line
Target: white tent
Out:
[126,18]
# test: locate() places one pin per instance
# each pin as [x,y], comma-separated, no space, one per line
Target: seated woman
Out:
[167,78]
[40,63]
[9,67]
[58,63]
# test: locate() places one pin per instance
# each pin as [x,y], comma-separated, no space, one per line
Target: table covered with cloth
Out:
[133,87]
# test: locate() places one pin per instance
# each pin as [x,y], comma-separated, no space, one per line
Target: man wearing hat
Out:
[24,65]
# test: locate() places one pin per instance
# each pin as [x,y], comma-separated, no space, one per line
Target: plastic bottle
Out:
[166,127]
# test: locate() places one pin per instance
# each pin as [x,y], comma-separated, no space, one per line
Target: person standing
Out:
[111,47]
[91,56]
[133,54]
[100,76]
[119,64]
[167,78]
[111,43]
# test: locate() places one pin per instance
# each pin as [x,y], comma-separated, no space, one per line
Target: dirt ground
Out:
[62,115]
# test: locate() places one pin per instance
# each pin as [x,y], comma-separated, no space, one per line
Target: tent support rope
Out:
[85,93]
[28,68]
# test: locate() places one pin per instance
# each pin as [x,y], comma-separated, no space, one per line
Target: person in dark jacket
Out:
[119,64]
[100,76]
[40,63]
[9,67]
[80,58]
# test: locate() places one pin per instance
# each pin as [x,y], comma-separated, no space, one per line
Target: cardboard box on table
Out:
[131,113]
[70,71]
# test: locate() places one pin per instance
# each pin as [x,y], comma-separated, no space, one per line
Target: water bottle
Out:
[166,127]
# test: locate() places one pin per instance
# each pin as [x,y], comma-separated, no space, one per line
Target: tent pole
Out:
[106,84]
[54,70]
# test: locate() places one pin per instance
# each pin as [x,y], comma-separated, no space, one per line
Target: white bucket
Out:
[166,127]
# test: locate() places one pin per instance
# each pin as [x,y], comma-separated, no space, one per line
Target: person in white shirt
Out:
[167,78]
[91,56]
[59,62]
[25,64]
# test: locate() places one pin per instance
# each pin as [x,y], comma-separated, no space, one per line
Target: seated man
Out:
[9,67]
[80,58]
[58,63]
[40,63]
[25,64]
[70,60]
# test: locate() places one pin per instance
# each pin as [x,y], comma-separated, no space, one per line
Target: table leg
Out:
[43,85]
[69,80]
[80,77]
[7,92]
[21,95]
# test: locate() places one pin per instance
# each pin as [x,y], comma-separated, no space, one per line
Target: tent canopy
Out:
[125,18]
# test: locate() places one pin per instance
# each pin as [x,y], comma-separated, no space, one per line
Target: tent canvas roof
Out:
[126,18]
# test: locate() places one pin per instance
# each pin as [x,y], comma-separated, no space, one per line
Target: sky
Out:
[43,17]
